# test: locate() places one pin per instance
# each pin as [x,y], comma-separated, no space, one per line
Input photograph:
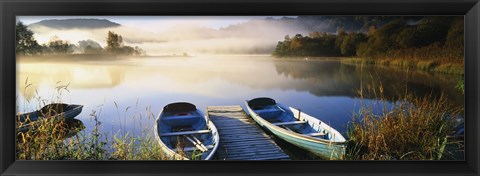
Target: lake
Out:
[124,92]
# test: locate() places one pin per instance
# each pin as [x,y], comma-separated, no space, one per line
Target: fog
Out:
[256,36]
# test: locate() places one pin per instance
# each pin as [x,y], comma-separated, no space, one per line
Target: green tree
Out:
[25,42]
[114,43]
[383,39]
[58,46]
[350,43]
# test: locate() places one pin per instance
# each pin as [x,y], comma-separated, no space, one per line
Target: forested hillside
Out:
[427,43]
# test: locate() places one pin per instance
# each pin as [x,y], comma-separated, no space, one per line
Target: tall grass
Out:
[455,68]
[433,58]
[50,141]
[56,139]
[413,128]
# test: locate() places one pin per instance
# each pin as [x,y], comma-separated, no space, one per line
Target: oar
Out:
[200,143]
[196,145]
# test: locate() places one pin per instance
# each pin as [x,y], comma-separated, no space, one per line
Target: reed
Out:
[56,139]
[433,58]
[412,128]
[425,65]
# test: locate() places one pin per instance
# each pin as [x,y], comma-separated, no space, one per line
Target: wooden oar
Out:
[200,143]
[194,143]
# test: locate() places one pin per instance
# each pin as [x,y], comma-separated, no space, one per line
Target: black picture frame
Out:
[9,9]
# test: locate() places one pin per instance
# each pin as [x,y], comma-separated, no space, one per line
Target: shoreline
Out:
[429,66]
[312,58]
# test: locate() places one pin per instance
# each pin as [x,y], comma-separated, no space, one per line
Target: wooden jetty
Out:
[240,137]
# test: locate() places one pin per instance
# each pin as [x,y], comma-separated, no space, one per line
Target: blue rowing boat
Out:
[185,133]
[297,128]
[59,111]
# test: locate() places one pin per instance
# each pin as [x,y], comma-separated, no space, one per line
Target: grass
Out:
[433,58]
[56,139]
[414,128]
[425,65]
[431,66]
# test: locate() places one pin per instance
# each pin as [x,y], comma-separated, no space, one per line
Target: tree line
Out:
[439,37]
[27,45]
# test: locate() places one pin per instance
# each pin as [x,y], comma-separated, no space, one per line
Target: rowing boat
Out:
[60,111]
[185,133]
[297,128]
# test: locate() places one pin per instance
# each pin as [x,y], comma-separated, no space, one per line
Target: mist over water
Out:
[256,36]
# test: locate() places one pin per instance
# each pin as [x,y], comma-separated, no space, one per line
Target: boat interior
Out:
[283,117]
[183,129]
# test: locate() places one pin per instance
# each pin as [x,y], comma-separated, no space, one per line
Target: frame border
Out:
[9,9]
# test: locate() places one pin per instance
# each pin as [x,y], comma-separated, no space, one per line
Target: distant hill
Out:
[75,23]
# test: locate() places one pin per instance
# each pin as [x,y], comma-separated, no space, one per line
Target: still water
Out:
[123,92]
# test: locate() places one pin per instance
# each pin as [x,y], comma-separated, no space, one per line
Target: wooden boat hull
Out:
[206,132]
[320,147]
[59,111]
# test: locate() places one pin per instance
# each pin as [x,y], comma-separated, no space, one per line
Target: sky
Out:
[158,23]
[164,35]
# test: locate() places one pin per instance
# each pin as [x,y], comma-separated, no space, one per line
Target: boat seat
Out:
[181,117]
[316,134]
[181,120]
[189,149]
[269,113]
[289,123]
[268,110]
[184,133]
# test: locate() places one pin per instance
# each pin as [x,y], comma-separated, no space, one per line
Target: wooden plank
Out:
[252,155]
[239,130]
[263,158]
[184,133]
[236,131]
[233,124]
[273,158]
[246,151]
[224,108]
[240,136]
[252,148]
[241,140]
[248,143]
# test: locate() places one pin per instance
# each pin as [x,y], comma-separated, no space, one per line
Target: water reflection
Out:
[78,76]
[324,89]
[331,78]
